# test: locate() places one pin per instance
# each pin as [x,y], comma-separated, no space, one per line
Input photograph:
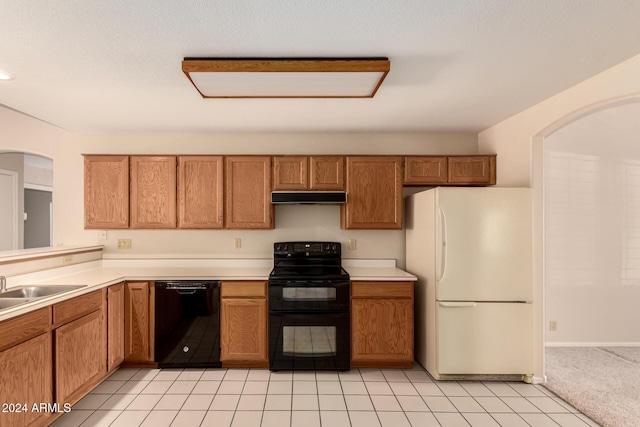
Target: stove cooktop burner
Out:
[307,261]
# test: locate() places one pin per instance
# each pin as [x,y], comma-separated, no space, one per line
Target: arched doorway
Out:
[586,176]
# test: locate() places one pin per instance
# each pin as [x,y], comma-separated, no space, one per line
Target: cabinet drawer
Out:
[239,289]
[382,290]
[22,328]
[74,308]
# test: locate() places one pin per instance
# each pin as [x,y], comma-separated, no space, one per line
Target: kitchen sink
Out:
[12,302]
[37,291]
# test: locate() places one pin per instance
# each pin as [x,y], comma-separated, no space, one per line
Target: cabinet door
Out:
[153,192]
[326,172]
[115,326]
[26,377]
[374,193]
[137,321]
[200,192]
[247,192]
[243,329]
[106,192]
[425,170]
[290,173]
[472,170]
[382,332]
[79,357]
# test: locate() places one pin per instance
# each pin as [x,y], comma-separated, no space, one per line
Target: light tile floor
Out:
[360,397]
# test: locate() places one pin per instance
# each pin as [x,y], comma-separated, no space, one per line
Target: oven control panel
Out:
[310,249]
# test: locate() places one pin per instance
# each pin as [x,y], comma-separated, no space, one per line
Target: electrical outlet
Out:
[237,243]
[124,243]
[553,325]
[67,260]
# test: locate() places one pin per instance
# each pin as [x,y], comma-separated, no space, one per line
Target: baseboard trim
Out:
[592,344]
[539,380]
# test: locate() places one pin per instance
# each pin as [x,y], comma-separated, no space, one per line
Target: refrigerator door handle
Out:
[443,244]
[457,304]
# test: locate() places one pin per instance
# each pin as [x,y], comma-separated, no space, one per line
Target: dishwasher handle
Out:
[187,288]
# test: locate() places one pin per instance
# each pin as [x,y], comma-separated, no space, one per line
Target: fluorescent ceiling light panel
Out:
[6,76]
[286,78]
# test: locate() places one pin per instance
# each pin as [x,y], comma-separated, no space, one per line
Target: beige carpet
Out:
[602,382]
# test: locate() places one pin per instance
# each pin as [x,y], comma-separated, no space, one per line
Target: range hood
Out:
[308,197]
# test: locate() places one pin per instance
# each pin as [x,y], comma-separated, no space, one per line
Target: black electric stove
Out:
[309,307]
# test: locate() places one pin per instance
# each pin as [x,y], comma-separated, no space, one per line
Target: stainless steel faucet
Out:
[3,284]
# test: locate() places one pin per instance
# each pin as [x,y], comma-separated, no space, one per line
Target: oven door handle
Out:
[315,283]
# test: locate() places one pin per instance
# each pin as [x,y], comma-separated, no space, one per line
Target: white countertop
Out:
[99,277]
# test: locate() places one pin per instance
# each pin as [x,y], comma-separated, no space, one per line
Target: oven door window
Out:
[309,341]
[308,294]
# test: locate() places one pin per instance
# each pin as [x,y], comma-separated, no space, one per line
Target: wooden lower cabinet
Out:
[26,378]
[243,324]
[382,324]
[139,325]
[79,357]
[115,326]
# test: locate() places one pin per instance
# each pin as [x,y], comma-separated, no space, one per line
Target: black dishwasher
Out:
[187,324]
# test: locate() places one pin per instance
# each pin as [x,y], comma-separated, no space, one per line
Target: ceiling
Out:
[114,66]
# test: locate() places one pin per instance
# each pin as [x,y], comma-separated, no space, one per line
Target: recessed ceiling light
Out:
[6,76]
[286,77]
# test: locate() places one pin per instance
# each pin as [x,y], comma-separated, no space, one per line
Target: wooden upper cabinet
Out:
[290,173]
[308,173]
[106,192]
[450,170]
[425,170]
[326,172]
[472,170]
[200,192]
[247,192]
[374,193]
[153,191]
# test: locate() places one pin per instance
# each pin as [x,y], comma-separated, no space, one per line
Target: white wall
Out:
[512,139]
[13,162]
[592,228]
[23,133]
[518,143]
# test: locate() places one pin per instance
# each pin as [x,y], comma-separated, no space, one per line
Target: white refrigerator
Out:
[471,249]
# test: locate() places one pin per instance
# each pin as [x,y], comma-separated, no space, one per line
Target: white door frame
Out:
[14,176]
